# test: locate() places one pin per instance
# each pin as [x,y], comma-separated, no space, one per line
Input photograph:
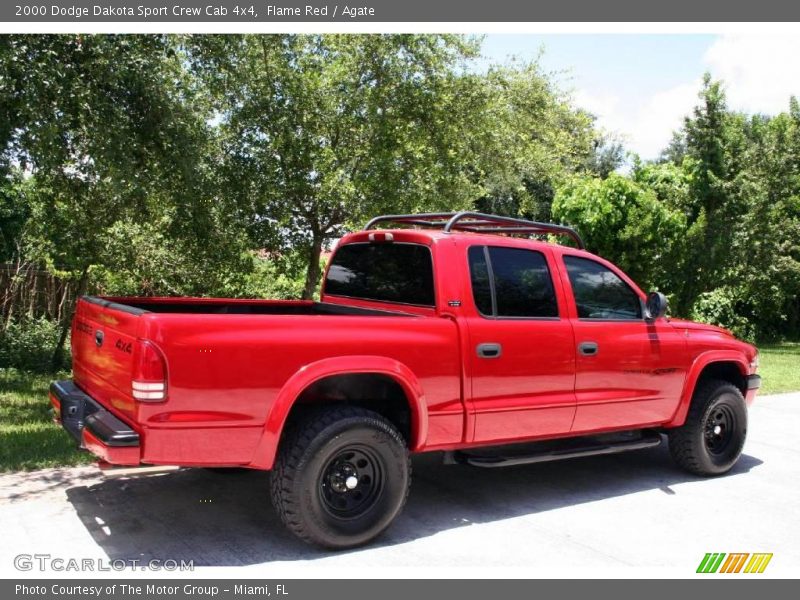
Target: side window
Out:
[513,283]
[479,274]
[600,293]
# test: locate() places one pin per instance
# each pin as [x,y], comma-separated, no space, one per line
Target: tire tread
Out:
[682,444]
[298,438]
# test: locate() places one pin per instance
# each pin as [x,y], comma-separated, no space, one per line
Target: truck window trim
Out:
[324,292]
[490,273]
[133,310]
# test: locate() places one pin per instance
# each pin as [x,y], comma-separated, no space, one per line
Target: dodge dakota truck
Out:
[474,335]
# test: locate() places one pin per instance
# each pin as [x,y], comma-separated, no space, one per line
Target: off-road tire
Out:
[711,440]
[324,449]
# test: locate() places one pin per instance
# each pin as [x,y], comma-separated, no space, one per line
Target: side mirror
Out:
[656,306]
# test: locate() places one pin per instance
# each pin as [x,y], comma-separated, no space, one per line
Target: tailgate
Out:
[103,342]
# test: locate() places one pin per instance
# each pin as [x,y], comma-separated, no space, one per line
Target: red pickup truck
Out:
[445,332]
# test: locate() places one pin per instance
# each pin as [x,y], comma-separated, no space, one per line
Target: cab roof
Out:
[436,225]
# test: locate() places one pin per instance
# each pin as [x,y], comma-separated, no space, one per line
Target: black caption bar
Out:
[39,11]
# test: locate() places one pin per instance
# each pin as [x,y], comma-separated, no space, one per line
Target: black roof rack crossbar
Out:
[476,222]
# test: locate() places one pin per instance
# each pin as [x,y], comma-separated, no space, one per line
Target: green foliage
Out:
[158,164]
[669,182]
[722,307]
[28,437]
[742,243]
[526,140]
[321,131]
[624,222]
[144,259]
[711,153]
[15,210]
[280,278]
[109,127]
[29,344]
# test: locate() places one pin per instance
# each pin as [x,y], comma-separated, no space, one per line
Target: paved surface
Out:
[625,515]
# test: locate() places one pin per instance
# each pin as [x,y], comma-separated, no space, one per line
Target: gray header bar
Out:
[404,589]
[376,11]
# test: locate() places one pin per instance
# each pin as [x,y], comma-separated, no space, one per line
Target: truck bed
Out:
[229,366]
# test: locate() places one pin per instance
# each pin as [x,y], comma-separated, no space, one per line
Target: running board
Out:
[593,447]
[110,471]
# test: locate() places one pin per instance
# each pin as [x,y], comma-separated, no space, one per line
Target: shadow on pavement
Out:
[226,519]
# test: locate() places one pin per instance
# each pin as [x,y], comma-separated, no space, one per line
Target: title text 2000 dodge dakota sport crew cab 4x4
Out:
[440,333]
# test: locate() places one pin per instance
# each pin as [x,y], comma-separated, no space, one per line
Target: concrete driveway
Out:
[625,515]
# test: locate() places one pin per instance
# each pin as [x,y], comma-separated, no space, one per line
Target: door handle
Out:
[588,348]
[489,350]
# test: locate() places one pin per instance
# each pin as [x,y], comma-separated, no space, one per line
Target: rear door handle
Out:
[588,348]
[489,350]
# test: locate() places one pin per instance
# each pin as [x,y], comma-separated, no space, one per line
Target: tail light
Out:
[149,373]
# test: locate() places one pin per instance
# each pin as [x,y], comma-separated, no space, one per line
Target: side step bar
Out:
[110,471]
[587,447]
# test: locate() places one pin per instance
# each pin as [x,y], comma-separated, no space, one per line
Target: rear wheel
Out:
[711,440]
[341,477]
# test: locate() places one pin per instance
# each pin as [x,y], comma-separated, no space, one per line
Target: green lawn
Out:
[779,367]
[30,440]
[28,437]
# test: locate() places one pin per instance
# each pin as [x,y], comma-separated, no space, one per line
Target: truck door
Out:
[629,370]
[521,346]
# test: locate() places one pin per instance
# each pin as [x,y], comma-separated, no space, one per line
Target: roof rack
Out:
[476,222]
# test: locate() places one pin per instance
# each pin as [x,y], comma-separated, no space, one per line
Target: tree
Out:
[764,273]
[711,147]
[111,131]
[321,131]
[608,156]
[736,179]
[528,139]
[624,222]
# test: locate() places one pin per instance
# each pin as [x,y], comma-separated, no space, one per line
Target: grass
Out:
[779,367]
[30,440]
[28,437]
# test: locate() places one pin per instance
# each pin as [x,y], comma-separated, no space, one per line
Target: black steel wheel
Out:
[351,482]
[711,440]
[341,477]
[719,429]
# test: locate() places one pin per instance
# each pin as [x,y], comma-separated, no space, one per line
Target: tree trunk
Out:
[58,353]
[313,273]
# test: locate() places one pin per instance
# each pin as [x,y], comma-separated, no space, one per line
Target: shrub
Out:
[266,278]
[722,307]
[29,344]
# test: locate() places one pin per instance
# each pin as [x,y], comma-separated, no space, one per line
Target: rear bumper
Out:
[93,427]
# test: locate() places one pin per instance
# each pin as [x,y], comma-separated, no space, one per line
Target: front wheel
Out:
[341,477]
[711,440]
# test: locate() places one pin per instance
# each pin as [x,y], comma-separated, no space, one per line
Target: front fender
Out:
[267,448]
[700,363]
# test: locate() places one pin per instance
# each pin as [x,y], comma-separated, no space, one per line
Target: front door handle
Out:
[588,348]
[489,350]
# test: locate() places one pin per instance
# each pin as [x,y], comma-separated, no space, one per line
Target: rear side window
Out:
[600,293]
[479,273]
[389,272]
[511,282]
